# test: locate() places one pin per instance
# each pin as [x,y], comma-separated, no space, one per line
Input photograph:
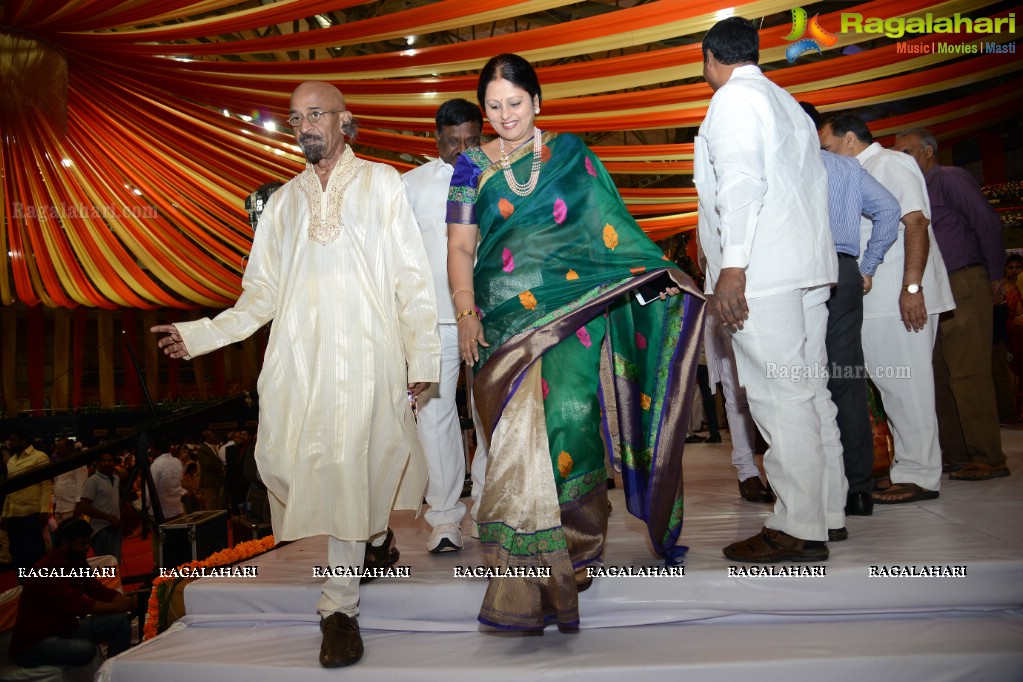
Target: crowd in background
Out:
[204,473]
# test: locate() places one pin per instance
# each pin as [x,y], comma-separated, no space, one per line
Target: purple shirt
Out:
[967,229]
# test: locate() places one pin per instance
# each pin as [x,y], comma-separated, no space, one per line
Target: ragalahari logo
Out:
[819,37]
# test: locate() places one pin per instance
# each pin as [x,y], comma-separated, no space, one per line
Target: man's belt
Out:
[966,267]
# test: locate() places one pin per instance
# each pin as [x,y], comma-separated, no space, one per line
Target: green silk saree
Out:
[577,370]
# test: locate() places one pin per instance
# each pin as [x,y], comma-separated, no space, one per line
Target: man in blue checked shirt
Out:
[852,193]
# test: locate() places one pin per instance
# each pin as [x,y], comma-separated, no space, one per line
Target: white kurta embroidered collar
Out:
[325,227]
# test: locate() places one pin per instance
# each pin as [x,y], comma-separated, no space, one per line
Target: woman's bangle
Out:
[462,314]
[469,291]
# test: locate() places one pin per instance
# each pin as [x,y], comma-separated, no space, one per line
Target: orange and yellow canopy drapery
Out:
[131,196]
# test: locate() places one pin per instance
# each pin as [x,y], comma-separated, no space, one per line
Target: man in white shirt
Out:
[222,450]
[167,471]
[900,314]
[67,487]
[758,173]
[459,125]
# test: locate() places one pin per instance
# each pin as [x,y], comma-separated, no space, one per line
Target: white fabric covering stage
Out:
[705,625]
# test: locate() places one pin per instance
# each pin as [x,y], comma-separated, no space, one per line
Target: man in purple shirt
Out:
[969,234]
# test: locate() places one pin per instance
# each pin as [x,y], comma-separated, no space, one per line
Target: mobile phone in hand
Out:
[651,291]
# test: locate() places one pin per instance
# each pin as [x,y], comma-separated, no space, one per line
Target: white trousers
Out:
[781,361]
[342,594]
[721,368]
[441,435]
[899,363]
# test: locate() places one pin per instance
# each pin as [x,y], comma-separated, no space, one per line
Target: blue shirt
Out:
[852,193]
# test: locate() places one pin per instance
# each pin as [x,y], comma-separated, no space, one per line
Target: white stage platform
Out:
[706,624]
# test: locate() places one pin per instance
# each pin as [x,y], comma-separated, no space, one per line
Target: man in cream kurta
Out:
[763,225]
[338,265]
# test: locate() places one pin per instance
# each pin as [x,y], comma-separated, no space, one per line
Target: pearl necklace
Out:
[534,175]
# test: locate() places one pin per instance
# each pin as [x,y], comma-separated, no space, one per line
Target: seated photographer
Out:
[62,619]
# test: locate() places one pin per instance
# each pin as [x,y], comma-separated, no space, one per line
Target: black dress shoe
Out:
[754,490]
[695,439]
[342,643]
[714,438]
[838,534]
[859,503]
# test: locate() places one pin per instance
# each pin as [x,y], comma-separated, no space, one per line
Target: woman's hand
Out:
[470,338]
[670,291]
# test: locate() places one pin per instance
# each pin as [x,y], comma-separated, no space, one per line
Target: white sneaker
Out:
[447,537]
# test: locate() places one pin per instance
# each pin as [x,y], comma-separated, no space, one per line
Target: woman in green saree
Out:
[571,364]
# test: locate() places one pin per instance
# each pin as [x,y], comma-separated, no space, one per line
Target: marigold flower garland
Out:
[163,586]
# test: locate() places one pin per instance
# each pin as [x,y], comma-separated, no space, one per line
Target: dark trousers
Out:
[107,541]
[26,537]
[710,406]
[848,378]
[79,647]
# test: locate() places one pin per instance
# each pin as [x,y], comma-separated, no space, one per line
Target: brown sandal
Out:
[902,493]
[384,556]
[977,471]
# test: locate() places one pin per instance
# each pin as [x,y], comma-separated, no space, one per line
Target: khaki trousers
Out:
[964,392]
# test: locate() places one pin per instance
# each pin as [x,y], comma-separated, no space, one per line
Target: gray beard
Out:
[313,149]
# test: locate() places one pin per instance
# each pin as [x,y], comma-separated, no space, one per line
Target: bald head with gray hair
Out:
[921,144]
[926,137]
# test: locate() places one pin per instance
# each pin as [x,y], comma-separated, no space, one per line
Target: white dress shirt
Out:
[222,451]
[167,472]
[763,189]
[67,489]
[900,175]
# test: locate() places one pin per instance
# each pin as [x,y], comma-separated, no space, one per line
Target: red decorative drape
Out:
[130,386]
[36,340]
[78,357]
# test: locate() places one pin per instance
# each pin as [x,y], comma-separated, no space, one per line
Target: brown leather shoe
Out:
[342,643]
[753,490]
[770,546]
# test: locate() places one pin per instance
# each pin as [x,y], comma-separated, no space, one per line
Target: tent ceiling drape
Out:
[133,130]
